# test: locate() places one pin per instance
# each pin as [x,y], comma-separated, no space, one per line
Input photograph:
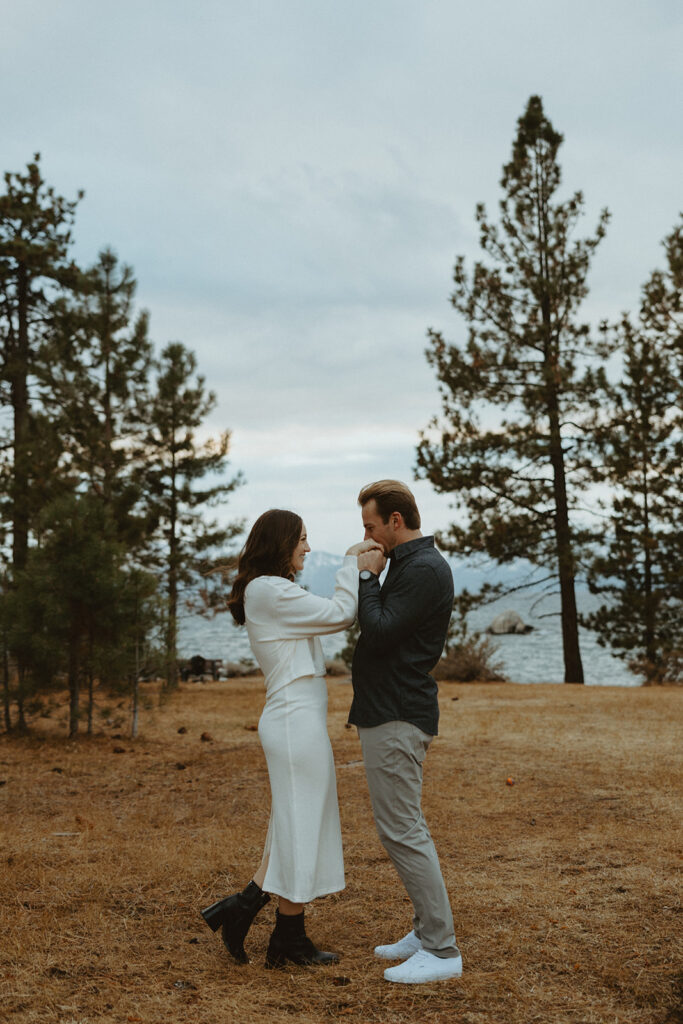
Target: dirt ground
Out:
[564,885]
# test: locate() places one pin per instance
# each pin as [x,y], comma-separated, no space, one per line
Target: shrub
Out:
[470,660]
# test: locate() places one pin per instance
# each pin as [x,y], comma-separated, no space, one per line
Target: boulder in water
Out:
[509,621]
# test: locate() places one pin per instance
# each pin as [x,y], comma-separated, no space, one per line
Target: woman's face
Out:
[300,551]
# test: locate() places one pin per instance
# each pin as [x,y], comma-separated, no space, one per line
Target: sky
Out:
[291,182]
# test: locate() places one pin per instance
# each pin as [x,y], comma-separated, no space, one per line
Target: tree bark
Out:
[90,704]
[74,685]
[573,668]
[650,615]
[19,392]
[172,630]
[7,708]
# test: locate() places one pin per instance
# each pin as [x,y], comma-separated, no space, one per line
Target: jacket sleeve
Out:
[387,618]
[299,615]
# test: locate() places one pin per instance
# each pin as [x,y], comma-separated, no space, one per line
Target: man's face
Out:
[377,529]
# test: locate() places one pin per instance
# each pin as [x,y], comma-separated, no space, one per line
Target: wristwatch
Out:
[365,574]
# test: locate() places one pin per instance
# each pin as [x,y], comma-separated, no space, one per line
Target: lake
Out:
[532,658]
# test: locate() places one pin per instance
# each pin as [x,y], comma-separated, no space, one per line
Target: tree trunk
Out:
[7,708]
[20,471]
[20,409]
[74,685]
[108,425]
[21,675]
[136,704]
[90,703]
[573,668]
[172,629]
[172,626]
[649,609]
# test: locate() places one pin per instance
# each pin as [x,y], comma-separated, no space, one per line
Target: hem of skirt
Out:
[305,899]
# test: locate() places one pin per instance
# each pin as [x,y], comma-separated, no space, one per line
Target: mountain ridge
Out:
[320,569]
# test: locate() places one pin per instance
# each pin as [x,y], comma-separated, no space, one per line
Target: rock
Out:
[206,737]
[509,621]
[182,730]
[237,669]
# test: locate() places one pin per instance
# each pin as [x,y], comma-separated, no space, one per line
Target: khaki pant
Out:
[393,754]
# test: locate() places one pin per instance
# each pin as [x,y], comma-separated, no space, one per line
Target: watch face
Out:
[365,574]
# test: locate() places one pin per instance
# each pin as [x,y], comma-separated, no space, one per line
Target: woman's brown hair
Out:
[267,552]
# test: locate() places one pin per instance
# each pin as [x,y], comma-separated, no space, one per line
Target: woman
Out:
[302,857]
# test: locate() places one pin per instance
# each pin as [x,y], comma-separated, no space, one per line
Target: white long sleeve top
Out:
[284,623]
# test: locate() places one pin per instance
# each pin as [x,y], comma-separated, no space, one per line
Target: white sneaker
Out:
[406,946]
[422,967]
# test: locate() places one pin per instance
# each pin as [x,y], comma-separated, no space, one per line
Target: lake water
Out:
[532,658]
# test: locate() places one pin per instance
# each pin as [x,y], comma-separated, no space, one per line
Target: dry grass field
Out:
[564,885]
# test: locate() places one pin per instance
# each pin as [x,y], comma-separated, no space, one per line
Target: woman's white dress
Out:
[284,622]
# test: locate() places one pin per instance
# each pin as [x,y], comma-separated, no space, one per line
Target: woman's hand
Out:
[364,545]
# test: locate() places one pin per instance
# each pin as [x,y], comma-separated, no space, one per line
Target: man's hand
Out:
[373,560]
[364,545]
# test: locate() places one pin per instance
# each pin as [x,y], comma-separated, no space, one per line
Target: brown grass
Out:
[563,885]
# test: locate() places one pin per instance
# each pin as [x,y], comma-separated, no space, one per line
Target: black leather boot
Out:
[234,915]
[290,942]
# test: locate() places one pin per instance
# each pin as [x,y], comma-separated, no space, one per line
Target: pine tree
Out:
[68,613]
[35,268]
[511,447]
[35,237]
[641,443]
[176,465]
[5,642]
[96,385]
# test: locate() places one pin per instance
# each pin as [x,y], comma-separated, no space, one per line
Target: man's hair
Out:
[392,496]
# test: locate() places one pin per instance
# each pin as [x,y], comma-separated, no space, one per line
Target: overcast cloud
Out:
[291,182]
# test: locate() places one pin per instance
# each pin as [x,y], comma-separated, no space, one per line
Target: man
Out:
[395,708]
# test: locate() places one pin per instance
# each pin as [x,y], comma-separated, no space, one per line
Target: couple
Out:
[403,629]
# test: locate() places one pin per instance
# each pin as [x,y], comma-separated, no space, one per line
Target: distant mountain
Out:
[321,567]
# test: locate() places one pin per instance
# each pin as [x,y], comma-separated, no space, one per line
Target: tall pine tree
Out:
[96,386]
[510,446]
[35,269]
[641,443]
[66,603]
[35,238]
[182,478]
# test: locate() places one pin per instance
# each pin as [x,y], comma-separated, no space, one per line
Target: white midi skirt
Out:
[304,835]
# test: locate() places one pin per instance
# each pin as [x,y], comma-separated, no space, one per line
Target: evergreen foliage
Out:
[182,477]
[35,269]
[640,442]
[510,446]
[103,480]
[68,614]
[95,385]
[35,238]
